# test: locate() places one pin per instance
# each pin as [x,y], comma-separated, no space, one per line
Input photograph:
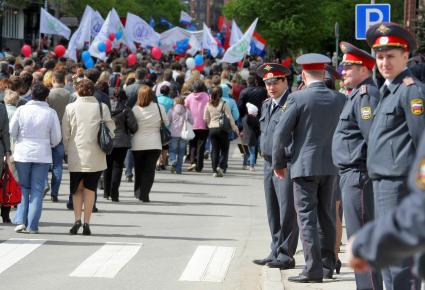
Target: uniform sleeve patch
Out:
[366,113]
[420,176]
[417,106]
[408,81]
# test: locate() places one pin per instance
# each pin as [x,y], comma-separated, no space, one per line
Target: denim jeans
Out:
[58,153]
[129,164]
[252,155]
[32,177]
[177,150]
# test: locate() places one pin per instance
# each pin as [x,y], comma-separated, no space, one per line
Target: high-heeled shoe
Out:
[86,229]
[338,265]
[75,228]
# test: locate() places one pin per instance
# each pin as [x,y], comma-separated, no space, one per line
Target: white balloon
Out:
[244,74]
[190,63]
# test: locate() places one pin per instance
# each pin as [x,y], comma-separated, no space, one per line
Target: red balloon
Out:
[108,45]
[111,36]
[60,50]
[156,52]
[26,50]
[131,59]
[200,68]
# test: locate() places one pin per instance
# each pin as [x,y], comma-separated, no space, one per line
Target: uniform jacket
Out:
[268,122]
[311,115]
[349,145]
[400,233]
[80,127]
[125,124]
[398,123]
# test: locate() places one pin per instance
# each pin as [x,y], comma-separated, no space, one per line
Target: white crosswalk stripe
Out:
[208,264]
[14,250]
[107,261]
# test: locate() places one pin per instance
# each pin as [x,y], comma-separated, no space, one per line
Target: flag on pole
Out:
[236,33]
[185,18]
[165,22]
[258,45]
[82,34]
[140,31]
[195,46]
[224,29]
[208,41]
[51,25]
[96,23]
[111,24]
[238,51]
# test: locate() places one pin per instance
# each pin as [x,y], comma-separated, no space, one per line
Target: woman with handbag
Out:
[179,118]
[220,123]
[36,129]
[81,125]
[146,143]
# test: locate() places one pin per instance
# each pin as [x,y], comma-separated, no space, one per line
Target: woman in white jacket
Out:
[36,129]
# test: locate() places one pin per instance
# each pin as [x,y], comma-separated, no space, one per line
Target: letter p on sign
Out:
[370,14]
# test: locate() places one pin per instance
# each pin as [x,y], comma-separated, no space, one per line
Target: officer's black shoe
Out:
[283,265]
[302,278]
[264,261]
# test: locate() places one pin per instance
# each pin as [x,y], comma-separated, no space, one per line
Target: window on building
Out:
[13,23]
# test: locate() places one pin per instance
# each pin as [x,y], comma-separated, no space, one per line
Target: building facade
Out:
[207,11]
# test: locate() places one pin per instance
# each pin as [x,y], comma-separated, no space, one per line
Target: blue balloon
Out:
[118,35]
[101,46]
[89,63]
[199,59]
[85,55]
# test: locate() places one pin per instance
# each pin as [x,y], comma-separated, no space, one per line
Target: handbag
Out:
[187,130]
[163,130]
[104,138]
[223,121]
[10,190]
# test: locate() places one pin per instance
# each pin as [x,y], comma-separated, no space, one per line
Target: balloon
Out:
[101,46]
[26,50]
[111,36]
[60,50]
[156,52]
[85,56]
[190,63]
[200,68]
[108,45]
[131,59]
[118,35]
[89,63]
[199,60]
[245,74]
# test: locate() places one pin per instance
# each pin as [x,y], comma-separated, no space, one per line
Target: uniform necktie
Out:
[273,106]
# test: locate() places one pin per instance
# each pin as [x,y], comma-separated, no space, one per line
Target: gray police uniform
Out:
[399,121]
[349,148]
[401,233]
[279,193]
[309,120]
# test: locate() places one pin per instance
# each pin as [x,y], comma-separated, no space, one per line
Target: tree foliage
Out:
[303,26]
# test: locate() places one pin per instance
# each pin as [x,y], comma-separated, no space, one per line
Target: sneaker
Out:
[244,167]
[220,172]
[215,174]
[20,228]
[251,168]
[30,232]
[173,168]
[191,167]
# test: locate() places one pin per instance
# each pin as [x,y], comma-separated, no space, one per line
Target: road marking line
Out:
[14,250]
[208,264]
[271,279]
[107,261]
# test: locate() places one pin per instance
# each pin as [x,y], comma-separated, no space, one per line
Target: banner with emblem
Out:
[51,25]
[96,23]
[138,30]
[82,34]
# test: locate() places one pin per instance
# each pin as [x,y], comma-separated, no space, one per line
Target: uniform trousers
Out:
[388,193]
[281,214]
[144,171]
[315,206]
[357,201]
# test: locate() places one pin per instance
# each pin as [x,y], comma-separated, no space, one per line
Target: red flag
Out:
[224,28]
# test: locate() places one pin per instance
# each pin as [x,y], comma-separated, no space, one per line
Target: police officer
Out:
[349,147]
[279,193]
[309,120]
[399,234]
[398,123]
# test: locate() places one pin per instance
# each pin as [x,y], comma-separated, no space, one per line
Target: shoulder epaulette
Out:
[363,90]
[408,81]
[267,100]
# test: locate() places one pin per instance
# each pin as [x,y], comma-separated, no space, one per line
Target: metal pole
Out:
[373,54]
[45,4]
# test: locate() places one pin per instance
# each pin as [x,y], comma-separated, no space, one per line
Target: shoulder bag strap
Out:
[159,109]
[101,110]
[222,107]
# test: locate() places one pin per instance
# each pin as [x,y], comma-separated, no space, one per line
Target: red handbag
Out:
[10,190]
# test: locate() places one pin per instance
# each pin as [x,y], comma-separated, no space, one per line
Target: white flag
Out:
[235,33]
[111,24]
[82,34]
[96,23]
[140,31]
[169,37]
[208,41]
[238,51]
[185,18]
[51,25]
[195,46]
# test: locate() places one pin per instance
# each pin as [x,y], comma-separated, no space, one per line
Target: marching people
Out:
[278,192]
[349,147]
[5,151]
[309,119]
[397,126]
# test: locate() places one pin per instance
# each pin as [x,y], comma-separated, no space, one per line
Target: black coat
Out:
[251,130]
[253,95]
[125,124]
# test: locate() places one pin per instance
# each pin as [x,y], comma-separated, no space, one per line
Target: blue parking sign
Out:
[370,14]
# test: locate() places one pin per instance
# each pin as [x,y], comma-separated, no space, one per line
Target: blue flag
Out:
[165,22]
[152,22]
